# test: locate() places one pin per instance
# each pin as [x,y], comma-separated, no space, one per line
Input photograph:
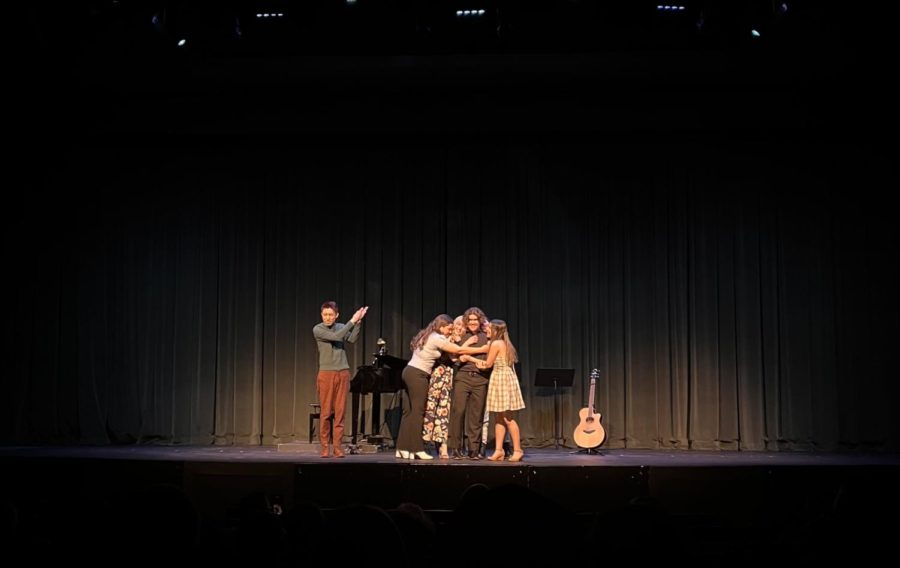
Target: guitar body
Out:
[589,433]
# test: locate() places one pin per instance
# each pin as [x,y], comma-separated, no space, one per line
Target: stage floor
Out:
[534,457]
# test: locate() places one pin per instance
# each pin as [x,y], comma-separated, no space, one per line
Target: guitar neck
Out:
[591,398]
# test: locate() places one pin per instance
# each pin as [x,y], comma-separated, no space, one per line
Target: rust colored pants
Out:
[332,387]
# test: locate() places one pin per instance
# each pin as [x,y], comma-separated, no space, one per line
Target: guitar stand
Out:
[590,452]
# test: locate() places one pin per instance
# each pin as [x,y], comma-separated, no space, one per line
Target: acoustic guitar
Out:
[589,433]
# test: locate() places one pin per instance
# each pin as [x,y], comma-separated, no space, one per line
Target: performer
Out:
[504,398]
[333,378]
[469,392]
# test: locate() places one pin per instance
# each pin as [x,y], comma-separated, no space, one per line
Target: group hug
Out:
[461,373]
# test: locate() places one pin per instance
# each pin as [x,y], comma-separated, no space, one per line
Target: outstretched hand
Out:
[360,314]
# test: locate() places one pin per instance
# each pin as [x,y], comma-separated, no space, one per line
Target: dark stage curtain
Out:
[731,296]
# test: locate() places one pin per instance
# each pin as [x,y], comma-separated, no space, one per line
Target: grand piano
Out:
[383,376]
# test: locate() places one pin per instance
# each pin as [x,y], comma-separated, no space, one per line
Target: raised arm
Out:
[322,333]
[352,328]
[354,333]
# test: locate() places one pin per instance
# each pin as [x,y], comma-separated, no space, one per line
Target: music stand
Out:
[555,378]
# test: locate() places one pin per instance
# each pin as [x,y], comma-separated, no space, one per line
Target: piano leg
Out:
[355,420]
[376,413]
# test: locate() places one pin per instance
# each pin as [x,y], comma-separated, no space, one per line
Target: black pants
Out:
[469,397]
[413,419]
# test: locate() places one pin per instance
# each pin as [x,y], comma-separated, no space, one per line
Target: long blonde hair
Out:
[500,333]
[434,327]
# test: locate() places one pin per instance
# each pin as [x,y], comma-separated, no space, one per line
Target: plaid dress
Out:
[437,405]
[503,390]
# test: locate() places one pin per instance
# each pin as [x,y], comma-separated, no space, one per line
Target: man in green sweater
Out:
[333,378]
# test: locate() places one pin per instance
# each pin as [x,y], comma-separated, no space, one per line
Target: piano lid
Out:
[384,376]
[390,361]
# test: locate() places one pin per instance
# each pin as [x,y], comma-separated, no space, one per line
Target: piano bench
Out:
[313,416]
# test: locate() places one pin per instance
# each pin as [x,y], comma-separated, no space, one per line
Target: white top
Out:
[424,357]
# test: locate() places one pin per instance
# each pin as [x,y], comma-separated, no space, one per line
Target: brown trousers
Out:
[332,387]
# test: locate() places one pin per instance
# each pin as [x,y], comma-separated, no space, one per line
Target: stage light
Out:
[675,25]
[460,25]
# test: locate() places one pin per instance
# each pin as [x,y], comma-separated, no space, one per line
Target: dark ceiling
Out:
[103,69]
